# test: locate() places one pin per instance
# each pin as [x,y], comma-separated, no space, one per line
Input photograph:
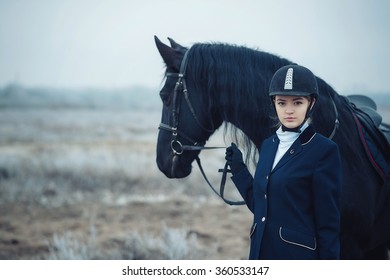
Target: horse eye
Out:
[167,90]
[165,97]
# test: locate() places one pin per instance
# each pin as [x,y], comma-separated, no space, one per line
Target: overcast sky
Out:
[92,43]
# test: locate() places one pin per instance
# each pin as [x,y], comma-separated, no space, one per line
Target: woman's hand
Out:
[234,159]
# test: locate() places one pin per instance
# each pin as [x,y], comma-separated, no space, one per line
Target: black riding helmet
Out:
[294,80]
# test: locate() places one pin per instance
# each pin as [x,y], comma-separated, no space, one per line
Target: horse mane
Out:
[233,78]
[227,73]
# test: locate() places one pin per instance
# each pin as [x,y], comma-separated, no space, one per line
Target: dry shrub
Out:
[171,244]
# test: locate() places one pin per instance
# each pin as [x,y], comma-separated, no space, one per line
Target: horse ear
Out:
[175,45]
[166,52]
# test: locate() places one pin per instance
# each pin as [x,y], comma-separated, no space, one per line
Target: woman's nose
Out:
[289,110]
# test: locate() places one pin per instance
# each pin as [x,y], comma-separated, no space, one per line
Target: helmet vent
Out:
[288,83]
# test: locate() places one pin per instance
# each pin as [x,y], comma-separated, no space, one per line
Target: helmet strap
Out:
[309,109]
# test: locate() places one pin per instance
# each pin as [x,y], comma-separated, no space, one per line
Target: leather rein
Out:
[177,147]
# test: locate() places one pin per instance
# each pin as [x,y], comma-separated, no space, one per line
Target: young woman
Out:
[295,192]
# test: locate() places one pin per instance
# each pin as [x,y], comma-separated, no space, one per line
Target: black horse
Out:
[211,84]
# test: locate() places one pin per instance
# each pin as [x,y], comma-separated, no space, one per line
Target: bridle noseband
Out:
[176,146]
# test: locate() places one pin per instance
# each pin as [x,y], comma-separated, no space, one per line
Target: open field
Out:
[81,182]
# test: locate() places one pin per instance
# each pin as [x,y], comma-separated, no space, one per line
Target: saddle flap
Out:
[374,115]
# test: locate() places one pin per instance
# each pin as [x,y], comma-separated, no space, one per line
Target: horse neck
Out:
[329,109]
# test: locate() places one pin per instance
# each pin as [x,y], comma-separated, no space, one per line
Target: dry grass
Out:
[170,244]
[61,168]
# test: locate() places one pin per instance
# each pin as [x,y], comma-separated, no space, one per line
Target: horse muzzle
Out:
[172,167]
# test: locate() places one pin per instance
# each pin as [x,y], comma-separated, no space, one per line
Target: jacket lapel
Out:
[270,153]
[293,151]
[296,147]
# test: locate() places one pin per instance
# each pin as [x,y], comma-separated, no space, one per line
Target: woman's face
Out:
[291,110]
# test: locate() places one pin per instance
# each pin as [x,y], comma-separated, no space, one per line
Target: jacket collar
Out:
[307,135]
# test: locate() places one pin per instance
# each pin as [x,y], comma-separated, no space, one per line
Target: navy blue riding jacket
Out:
[296,205]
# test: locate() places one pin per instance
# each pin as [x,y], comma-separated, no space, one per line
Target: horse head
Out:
[186,124]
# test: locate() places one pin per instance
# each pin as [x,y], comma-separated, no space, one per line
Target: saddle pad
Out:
[375,144]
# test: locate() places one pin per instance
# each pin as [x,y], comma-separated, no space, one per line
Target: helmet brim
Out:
[290,93]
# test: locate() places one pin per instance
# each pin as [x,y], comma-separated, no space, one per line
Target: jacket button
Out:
[291,151]
[266,178]
[263,219]
[265,196]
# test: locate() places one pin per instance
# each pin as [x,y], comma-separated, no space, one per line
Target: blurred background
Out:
[79,111]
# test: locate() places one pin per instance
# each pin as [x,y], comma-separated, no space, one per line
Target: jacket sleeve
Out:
[243,181]
[327,182]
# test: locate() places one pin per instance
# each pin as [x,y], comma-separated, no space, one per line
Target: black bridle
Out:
[181,87]
[177,147]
